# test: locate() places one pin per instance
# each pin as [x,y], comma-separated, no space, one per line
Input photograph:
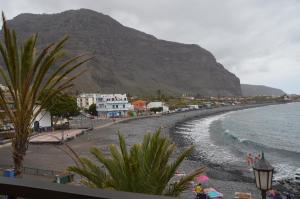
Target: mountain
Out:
[128,60]
[256,90]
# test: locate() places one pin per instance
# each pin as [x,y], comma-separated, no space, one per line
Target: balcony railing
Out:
[26,188]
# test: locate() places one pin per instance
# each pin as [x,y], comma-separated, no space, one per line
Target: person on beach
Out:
[257,158]
[271,193]
[199,192]
[277,195]
[250,160]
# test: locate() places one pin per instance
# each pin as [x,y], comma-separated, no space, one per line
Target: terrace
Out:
[17,187]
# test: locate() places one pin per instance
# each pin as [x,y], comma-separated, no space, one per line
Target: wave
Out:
[219,145]
[244,145]
[283,160]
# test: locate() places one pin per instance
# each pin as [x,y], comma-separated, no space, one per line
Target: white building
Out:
[193,106]
[85,100]
[3,88]
[112,105]
[158,105]
[44,119]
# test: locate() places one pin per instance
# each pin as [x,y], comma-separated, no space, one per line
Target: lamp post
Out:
[263,173]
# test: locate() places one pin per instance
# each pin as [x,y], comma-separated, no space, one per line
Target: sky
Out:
[257,40]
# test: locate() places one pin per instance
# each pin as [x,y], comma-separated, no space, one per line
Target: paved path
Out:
[51,157]
[56,136]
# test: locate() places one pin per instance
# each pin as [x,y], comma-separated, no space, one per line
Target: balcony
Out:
[25,188]
[113,102]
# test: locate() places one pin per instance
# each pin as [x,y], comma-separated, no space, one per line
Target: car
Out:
[6,127]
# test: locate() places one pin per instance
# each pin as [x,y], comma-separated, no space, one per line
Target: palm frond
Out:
[27,75]
[144,168]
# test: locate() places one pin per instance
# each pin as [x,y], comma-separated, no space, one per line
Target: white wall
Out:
[112,102]
[44,119]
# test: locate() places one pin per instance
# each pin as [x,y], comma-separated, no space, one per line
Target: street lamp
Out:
[263,173]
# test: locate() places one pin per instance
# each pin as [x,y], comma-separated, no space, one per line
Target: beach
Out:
[51,157]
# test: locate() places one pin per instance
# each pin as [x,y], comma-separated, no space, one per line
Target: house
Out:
[85,100]
[157,107]
[4,119]
[193,106]
[139,105]
[43,121]
[286,98]
[112,105]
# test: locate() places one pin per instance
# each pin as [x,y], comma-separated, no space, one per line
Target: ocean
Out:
[227,138]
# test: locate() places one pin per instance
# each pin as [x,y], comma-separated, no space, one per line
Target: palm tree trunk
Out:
[19,145]
[18,162]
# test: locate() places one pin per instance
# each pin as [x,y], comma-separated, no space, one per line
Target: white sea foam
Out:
[241,135]
[284,170]
[202,139]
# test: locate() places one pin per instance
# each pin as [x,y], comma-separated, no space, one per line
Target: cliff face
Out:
[127,60]
[260,90]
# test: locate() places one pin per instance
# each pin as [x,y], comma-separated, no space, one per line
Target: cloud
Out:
[257,40]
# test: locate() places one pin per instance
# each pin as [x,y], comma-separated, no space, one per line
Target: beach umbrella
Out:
[214,194]
[202,179]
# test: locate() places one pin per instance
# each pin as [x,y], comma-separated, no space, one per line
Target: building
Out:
[157,107]
[139,105]
[286,98]
[4,119]
[43,120]
[193,106]
[112,105]
[85,100]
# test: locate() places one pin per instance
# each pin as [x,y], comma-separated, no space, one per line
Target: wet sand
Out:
[50,157]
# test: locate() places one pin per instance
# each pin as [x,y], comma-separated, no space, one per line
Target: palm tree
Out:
[27,75]
[145,168]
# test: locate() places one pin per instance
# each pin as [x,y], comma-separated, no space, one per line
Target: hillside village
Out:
[120,105]
[124,106]
[111,107]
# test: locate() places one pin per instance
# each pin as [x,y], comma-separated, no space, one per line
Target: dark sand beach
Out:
[223,179]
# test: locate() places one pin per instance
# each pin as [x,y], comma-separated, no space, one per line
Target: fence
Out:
[81,122]
[33,171]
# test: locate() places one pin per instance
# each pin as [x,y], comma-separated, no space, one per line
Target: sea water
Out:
[228,138]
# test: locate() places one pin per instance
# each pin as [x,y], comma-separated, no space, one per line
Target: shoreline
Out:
[226,172]
[49,157]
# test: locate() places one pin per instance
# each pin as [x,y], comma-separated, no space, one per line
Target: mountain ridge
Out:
[249,90]
[128,60]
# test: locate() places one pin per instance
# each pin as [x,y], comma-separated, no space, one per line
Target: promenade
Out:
[52,157]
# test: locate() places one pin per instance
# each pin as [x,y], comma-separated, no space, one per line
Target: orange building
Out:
[139,105]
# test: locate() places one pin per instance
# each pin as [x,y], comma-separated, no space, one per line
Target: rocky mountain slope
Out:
[257,90]
[127,60]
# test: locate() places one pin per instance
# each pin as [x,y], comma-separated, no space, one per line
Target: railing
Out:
[14,187]
[33,171]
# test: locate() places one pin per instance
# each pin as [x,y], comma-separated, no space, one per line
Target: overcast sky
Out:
[258,40]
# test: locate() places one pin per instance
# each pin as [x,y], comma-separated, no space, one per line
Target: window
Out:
[112,99]
[125,98]
[123,105]
[113,106]
[117,106]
